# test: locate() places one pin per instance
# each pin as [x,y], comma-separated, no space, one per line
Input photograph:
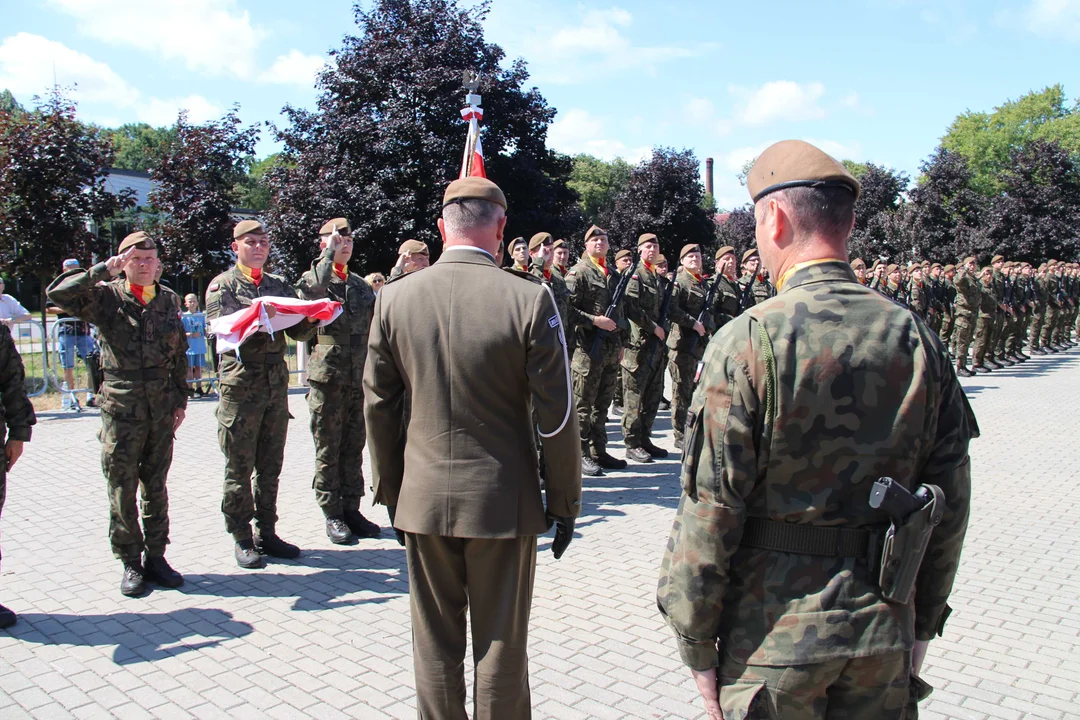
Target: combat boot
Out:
[656,452]
[589,468]
[981,369]
[963,371]
[268,543]
[134,582]
[994,364]
[247,556]
[665,404]
[338,532]
[7,617]
[158,571]
[608,462]
[638,455]
[360,526]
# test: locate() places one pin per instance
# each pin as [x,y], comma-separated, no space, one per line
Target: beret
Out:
[247,227]
[891,269]
[539,239]
[623,253]
[1042,268]
[969,259]
[558,244]
[925,263]
[660,260]
[473,188]
[876,265]
[137,240]
[724,251]
[516,241]
[752,252]
[935,265]
[593,232]
[950,268]
[412,247]
[987,269]
[858,263]
[339,224]
[644,238]
[689,248]
[794,163]
[996,258]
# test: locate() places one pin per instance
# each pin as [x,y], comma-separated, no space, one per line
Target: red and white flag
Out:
[473,163]
[233,329]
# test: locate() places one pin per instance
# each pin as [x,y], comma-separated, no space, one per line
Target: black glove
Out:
[391,510]
[564,533]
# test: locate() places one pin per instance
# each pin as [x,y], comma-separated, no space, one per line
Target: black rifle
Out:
[710,298]
[612,310]
[747,294]
[662,321]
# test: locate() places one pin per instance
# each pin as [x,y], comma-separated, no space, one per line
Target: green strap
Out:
[770,376]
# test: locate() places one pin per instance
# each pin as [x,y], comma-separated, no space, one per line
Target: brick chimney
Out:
[708,175]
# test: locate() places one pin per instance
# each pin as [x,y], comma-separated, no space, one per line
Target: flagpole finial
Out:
[470,81]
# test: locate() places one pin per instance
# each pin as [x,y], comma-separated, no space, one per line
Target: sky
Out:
[865,80]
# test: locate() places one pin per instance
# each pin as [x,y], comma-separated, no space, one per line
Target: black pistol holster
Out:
[914,517]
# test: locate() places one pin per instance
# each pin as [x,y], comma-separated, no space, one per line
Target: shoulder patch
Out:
[553,321]
[634,276]
[214,287]
[572,272]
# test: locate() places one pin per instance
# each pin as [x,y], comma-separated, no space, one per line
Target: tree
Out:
[253,191]
[387,137]
[736,230]
[664,197]
[8,103]
[195,192]
[882,194]
[52,189]
[944,221]
[598,183]
[139,146]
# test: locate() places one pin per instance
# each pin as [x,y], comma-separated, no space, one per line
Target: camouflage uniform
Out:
[336,376]
[965,313]
[948,311]
[689,295]
[18,412]
[760,290]
[984,328]
[799,441]
[253,412]
[918,299]
[1038,292]
[1053,310]
[144,359]
[997,335]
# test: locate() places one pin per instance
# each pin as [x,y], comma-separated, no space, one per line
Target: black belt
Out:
[764,534]
[353,340]
[159,373]
[265,358]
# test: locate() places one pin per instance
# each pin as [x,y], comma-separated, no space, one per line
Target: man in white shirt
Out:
[11,310]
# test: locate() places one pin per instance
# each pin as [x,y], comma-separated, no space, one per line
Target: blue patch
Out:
[554,321]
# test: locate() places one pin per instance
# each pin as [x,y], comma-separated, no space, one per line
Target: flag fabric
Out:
[477,168]
[473,166]
[233,329]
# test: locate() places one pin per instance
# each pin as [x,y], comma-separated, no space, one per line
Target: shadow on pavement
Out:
[138,637]
[1037,366]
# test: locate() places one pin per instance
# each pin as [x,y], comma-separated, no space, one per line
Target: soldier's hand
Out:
[710,692]
[116,263]
[604,323]
[918,654]
[271,311]
[699,328]
[564,533]
[178,418]
[391,512]
[659,332]
[13,451]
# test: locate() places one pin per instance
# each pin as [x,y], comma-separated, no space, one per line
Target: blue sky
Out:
[877,81]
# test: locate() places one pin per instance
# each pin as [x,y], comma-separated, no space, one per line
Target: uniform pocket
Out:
[692,441]
[746,701]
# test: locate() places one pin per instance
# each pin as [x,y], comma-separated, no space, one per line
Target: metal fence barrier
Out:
[29,337]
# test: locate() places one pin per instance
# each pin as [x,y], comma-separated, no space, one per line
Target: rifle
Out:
[710,297]
[662,321]
[613,308]
[747,294]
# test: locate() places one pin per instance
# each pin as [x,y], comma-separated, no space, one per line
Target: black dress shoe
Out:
[656,452]
[338,532]
[134,582]
[360,525]
[270,544]
[7,618]
[638,455]
[610,463]
[158,571]
[589,468]
[247,556]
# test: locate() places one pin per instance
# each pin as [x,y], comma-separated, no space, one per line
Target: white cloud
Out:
[159,112]
[1053,18]
[778,100]
[211,36]
[578,131]
[295,68]
[30,64]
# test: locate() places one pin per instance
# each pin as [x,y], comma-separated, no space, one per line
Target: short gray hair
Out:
[826,211]
[465,215]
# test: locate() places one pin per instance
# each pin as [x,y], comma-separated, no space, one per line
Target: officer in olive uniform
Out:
[687,338]
[253,412]
[17,424]
[144,398]
[767,580]
[336,377]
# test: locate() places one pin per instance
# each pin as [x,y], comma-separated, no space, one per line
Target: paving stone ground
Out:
[327,636]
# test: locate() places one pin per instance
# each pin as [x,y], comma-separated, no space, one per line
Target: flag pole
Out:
[472,113]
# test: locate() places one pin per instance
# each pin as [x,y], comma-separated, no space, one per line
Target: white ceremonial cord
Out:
[566,364]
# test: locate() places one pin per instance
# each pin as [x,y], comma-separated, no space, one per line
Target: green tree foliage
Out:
[195,192]
[253,190]
[736,230]
[877,227]
[8,103]
[139,146]
[52,187]
[387,137]
[598,183]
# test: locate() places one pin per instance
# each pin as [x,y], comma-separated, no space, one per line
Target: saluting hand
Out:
[116,263]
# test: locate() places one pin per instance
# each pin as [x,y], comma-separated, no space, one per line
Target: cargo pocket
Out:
[746,701]
[692,441]
[918,690]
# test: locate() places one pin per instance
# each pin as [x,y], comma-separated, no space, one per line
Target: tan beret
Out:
[539,239]
[623,253]
[514,243]
[339,224]
[139,240]
[858,263]
[689,248]
[935,265]
[558,244]
[891,269]
[997,258]
[1042,268]
[473,188]
[646,238]
[1051,263]
[969,259]
[950,268]
[724,251]
[875,266]
[660,260]
[247,227]
[412,247]
[593,232]
[794,163]
[752,252]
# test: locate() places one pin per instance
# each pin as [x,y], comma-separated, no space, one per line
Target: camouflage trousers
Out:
[135,457]
[867,688]
[1050,320]
[337,426]
[933,321]
[252,425]
[683,367]
[948,322]
[1017,338]
[619,392]
[1009,328]
[1035,329]
[642,390]
[962,327]
[594,387]
[997,334]
[984,332]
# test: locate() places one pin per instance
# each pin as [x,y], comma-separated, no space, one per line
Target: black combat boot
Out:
[134,582]
[981,369]
[338,532]
[268,543]
[360,525]
[159,572]
[589,468]
[638,455]
[656,452]
[7,617]
[606,461]
[963,371]
[247,556]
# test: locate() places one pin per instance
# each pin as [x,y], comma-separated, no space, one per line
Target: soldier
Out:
[966,313]
[878,276]
[623,260]
[984,328]
[592,285]
[144,398]
[753,286]
[726,301]
[541,266]
[560,252]
[995,356]
[519,251]
[253,412]
[1039,301]
[918,295]
[413,255]
[17,425]
[645,354]
[765,581]
[687,338]
[336,376]
[858,266]
[948,299]
[893,288]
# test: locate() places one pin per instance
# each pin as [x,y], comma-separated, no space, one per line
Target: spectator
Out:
[75,339]
[376,281]
[195,329]
[11,310]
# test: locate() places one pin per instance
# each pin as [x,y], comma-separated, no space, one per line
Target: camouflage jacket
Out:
[644,300]
[135,340]
[726,302]
[571,317]
[263,355]
[999,290]
[760,291]
[858,388]
[988,301]
[338,350]
[590,294]
[918,298]
[689,295]
[18,417]
[968,292]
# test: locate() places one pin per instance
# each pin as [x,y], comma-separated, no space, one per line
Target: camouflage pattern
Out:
[1039,298]
[18,413]
[997,335]
[336,377]
[594,380]
[965,312]
[918,299]
[1053,307]
[984,328]
[859,388]
[689,295]
[726,302]
[136,406]
[252,413]
[570,315]
[948,312]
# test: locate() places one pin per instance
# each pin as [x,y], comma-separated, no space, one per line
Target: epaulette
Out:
[524,274]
